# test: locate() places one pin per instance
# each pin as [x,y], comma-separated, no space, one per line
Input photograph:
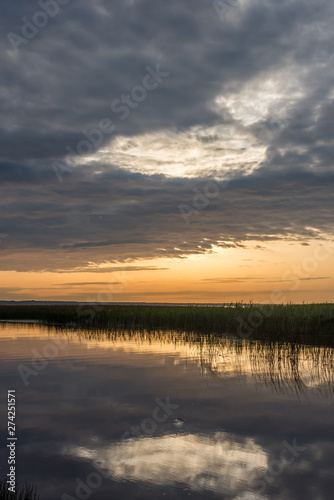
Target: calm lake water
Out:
[138,416]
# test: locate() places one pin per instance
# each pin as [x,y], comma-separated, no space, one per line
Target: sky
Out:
[174,151]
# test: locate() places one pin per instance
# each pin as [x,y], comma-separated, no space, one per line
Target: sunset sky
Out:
[167,151]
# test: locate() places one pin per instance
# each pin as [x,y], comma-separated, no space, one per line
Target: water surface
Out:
[164,415]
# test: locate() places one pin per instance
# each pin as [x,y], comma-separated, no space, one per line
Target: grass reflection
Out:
[26,492]
[284,367]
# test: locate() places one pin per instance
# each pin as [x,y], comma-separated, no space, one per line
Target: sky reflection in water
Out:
[93,407]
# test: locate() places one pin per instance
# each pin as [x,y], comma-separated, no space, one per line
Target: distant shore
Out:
[76,303]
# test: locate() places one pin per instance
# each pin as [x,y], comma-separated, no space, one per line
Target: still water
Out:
[132,415]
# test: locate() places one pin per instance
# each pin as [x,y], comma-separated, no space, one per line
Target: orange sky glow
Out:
[277,272]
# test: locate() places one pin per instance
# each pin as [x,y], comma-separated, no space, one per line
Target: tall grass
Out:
[26,492]
[275,322]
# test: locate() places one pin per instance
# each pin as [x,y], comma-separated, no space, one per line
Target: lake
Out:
[139,415]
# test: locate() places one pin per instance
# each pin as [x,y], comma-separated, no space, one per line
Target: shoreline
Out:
[292,322]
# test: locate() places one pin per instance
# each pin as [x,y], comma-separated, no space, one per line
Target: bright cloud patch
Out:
[216,151]
[250,120]
[216,464]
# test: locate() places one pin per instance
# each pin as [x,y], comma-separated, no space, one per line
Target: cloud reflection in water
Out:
[220,463]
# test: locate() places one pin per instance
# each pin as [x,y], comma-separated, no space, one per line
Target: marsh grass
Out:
[25,492]
[304,322]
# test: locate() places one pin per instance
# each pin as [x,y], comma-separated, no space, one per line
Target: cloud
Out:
[257,279]
[113,216]
[249,98]
[216,463]
[88,283]
[104,269]
[214,69]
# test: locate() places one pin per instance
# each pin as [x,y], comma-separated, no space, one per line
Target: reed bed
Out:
[25,492]
[310,322]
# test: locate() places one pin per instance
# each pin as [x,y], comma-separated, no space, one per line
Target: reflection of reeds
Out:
[283,366]
[294,368]
[288,367]
[26,492]
[306,322]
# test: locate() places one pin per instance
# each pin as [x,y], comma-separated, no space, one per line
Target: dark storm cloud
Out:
[66,77]
[115,216]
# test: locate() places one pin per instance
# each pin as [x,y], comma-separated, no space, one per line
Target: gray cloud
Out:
[65,79]
[114,216]
[88,55]
[103,270]
[257,279]
[90,283]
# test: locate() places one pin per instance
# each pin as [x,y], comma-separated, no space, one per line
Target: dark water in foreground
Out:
[96,418]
